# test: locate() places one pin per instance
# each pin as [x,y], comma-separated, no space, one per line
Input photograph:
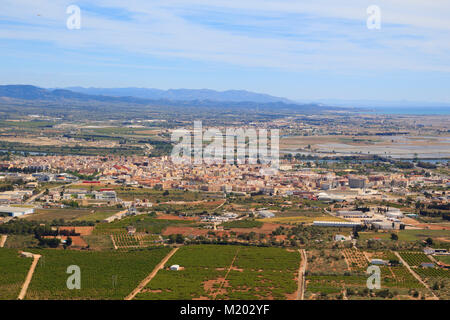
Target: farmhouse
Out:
[16,211]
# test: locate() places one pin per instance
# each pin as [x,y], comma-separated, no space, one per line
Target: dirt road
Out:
[415,274]
[226,275]
[3,240]
[144,282]
[301,275]
[25,285]
[113,242]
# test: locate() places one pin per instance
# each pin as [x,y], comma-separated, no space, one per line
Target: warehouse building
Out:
[342,224]
[15,211]
[352,214]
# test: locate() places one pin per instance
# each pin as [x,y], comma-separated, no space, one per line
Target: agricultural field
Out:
[13,270]
[443,259]
[415,259]
[142,223]
[333,281]
[139,240]
[356,259]
[262,273]
[438,279]
[202,265]
[71,214]
[326,260]
[407,235]
[301,219]
[227,272]
[104,275]
[20,241]
[243,224]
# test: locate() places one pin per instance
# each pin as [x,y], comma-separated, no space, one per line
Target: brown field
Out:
[83,231]
[173,217]
[267,228]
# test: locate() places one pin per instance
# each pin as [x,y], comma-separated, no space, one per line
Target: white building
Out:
[343,224]
[16,211]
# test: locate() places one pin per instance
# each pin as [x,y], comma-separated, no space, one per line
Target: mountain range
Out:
[119,99]
[182,94]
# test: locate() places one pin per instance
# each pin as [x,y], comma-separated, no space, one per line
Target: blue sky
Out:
[303,50]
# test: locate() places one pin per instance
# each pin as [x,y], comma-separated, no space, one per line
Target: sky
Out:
[298,49]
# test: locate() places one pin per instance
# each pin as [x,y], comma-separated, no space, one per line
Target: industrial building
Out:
[343,224]
[15,211]
[352,214]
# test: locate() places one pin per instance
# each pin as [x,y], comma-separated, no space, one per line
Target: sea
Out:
[410,110]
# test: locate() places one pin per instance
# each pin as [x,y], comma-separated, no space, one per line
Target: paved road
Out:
[25,285]
[415,274]
[151,275]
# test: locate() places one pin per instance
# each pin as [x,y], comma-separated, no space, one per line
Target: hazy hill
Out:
[182,94]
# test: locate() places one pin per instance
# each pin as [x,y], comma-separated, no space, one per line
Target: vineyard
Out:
[13,270]
[415,259]
[202,265]
[226,272]
[142,223]
[438,279]
[104,275]
[141,240]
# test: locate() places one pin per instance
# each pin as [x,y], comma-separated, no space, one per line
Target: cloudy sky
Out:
[298,49]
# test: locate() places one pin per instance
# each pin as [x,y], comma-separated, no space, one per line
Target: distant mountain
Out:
[62,99]
[182,94]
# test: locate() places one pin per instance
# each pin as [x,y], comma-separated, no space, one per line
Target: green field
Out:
[104,275]
[257,273]
[444,259]
[13,270]
[243,224]
[142,223]
[406,235]
[72,214]
[415,259]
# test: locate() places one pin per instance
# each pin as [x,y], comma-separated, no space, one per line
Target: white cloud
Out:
[414,34]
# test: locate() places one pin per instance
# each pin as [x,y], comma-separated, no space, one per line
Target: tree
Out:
[179,238]
[394,236]
[429,241]
[69,241]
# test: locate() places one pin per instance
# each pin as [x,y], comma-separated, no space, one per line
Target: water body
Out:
[410,110]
